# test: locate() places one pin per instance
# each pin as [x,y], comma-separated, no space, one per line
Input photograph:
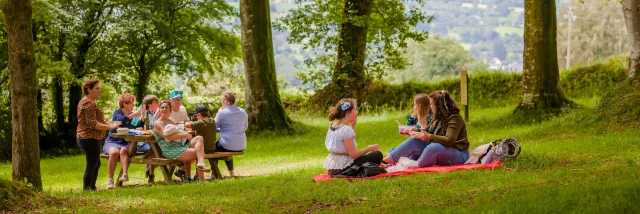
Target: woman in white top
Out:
[341,140]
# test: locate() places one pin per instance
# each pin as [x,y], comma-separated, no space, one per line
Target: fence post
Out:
[464,83]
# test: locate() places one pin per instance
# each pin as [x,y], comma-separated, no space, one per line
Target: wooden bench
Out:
[213,161]
[167,166]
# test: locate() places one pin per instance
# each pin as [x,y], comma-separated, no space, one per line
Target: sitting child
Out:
[170,129]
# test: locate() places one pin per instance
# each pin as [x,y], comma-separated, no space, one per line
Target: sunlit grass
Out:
[568,164]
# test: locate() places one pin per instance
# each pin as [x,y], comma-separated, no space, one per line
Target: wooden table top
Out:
[139,138]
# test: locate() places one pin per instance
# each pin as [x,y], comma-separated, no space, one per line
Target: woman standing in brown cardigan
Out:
[91,130]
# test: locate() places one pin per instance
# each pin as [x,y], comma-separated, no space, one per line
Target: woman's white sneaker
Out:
[110,184]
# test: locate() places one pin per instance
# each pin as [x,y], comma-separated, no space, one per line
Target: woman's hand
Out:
[414,129]
[425,136]
[373,148]
[188,136]
[113,126]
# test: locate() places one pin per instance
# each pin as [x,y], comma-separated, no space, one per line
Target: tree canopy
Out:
[391,23]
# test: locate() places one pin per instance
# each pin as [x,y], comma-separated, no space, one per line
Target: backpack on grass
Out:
[497,150]
[508,148]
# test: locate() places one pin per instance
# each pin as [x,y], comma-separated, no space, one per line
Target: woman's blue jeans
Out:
[429,153]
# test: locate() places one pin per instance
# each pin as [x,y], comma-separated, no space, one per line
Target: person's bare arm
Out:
[354,152]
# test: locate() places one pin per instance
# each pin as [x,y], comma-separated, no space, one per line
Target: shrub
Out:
[595,79]
[620,106]
[486,88]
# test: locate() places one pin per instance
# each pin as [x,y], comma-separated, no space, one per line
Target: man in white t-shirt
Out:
[178,112]
[179,116]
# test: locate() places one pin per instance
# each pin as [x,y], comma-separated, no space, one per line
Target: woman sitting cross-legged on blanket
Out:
[414,147]
[341,142]
[447,133]
[187,152]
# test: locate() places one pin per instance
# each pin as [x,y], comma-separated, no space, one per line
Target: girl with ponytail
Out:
[341,140]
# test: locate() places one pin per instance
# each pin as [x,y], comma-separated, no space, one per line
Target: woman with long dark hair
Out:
[447,133]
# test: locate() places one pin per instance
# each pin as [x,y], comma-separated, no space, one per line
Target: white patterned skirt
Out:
[337,162]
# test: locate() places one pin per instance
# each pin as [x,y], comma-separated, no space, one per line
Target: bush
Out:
[596,79]
[620,106]
[486,88]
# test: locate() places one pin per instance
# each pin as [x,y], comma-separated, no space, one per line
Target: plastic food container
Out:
[417,134]
[405,130]
[122,131]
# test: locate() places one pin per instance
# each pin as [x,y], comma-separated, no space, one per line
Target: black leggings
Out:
[91,149]
[229,163]
[373,157]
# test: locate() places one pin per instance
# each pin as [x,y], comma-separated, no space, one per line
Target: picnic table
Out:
[167,166]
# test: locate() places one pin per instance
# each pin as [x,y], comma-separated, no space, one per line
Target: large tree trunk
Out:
[23,84]
[541,74]
[263,103]
[349,77]
[631,10]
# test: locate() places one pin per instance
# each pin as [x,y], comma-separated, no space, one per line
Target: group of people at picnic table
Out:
[167,120]
[438,137]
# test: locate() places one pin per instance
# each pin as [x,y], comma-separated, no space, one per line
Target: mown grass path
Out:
[568,163]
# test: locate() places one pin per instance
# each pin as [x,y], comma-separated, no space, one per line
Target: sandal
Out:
[203,168]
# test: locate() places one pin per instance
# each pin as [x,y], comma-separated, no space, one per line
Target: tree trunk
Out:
[39,101]
[141,85]
[631,10]
[541,75]
[23,82]
[75,94]
[349,74]
[143,76]
[263,103]
[78,62]
[349,78]
[75,89]
[58,90]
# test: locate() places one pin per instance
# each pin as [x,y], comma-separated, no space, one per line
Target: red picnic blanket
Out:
[431,169]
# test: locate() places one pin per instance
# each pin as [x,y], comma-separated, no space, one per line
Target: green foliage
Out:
[620,105]
[5,116]
[165,38]
[595,79]
[435,59]
[486,88]
[316,26]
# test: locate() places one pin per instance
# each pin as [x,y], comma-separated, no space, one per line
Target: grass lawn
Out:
[568,164]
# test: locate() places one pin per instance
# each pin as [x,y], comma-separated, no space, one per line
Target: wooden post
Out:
[464,81]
